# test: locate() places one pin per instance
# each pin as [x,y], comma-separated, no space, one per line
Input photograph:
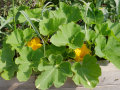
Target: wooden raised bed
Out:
[109,80]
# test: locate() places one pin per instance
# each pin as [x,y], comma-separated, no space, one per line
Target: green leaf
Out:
[98,3]
[34,28]
[53,19]
[17,13]
[36,58]
[28,34]
[59,14]
[56,74]
[68,12]
[112,50]
[72,13]
[49,26]
[103,29]
[69,53]
[51,49]
[5,22]
[55,59]
[44,65]
[18,38]
[100,46]
[15,39]
[1,64]
[24,68]
[86,74]
[45,80]
[34,15]
[7,65]
[30,22]
[90,35]
[27,61]
[91,15]
[69,35]
[117,2]
[115,28]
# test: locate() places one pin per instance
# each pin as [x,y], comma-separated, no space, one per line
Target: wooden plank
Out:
[106,87]
[14,84]
[110,75]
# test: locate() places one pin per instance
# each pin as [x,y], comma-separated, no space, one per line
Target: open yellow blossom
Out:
[34,43]
[81,52]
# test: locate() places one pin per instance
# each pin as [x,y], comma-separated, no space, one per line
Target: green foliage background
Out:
[62,26]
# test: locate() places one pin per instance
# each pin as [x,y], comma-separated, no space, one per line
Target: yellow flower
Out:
[34,43]
[81,52]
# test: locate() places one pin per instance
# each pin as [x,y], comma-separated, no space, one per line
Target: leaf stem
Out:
[14,15]
[34,28]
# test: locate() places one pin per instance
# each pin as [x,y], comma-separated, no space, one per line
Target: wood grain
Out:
[14,84]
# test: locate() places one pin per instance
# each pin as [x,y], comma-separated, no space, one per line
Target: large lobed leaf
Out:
[70,34]
[51,22]
[109,49]
[18,38]
[86,74]
[100,46]
[103,29]
[27,61]
[91,15]
[7,65]
[34,15]
[54,72]
[115,29]
[72,13]
[15,39]
[49,26]
[24,65]
[112,50]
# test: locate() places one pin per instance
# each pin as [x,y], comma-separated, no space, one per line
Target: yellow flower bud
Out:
[81,52]
[34,43]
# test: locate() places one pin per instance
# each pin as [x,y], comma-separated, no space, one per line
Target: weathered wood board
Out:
[14,84]
[109,80]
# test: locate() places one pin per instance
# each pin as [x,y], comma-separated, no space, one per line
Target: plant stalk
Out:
[13,4]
